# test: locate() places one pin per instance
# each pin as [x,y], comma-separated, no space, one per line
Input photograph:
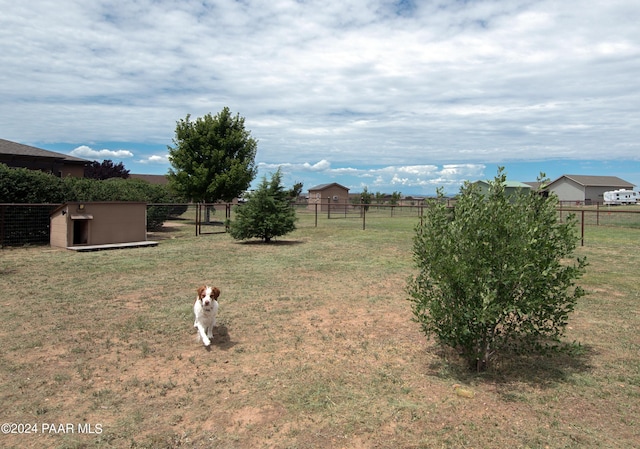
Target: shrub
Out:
[494,274]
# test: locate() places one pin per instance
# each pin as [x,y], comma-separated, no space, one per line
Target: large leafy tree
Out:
[267,213]
[495,273]
[213,157]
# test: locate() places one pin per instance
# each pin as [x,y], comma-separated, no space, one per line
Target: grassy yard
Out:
[316,349]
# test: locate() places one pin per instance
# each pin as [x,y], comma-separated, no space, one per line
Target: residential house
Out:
[585,189]
[17,155]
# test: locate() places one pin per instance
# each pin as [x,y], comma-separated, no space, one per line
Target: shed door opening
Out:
[80,232]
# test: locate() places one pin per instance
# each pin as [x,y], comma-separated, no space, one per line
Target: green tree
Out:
[266,214]
[395,197]
[213,157]
[495,273]
[365,198]
[295,191]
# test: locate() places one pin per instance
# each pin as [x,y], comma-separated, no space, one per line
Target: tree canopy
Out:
[213,157]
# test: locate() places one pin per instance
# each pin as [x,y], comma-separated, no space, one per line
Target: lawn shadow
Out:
[222,339]
[212,227]
[535,369]
[272,242]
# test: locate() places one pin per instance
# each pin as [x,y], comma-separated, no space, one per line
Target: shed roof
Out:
[10,148]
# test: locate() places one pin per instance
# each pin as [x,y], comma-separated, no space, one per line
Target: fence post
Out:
[197,216]
[582,231]
[316,214]
[364,214]
[2,226]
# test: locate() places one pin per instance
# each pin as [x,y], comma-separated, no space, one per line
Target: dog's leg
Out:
[210,328]
[203,335]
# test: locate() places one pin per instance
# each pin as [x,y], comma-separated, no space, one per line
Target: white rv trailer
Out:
[615,197]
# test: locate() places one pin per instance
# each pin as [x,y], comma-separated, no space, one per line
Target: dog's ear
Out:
[215,292]
[200,291]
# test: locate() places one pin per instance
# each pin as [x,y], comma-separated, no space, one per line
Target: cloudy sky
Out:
[397,95]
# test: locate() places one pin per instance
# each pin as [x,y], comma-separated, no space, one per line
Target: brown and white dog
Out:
[205,310]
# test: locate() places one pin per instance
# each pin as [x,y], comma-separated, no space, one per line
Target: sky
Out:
[396,96]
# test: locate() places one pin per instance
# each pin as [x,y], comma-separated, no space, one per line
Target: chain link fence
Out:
[25,224]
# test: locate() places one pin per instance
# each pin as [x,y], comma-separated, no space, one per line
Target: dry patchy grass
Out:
[316,348]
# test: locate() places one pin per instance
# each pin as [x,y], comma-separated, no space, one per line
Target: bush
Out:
[494,274]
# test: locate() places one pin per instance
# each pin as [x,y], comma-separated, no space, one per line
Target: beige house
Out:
[328,195]
[99,225]
[584,189]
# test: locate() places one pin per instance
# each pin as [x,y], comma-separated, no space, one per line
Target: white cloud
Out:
[155,159]
[323,165]
[412,178]
[361,82]
[88,152]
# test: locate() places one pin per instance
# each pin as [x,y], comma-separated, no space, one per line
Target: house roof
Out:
[595,181]
[326,186]
[15,149]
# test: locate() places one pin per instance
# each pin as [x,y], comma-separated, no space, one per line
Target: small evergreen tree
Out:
[494,274]
[266,214]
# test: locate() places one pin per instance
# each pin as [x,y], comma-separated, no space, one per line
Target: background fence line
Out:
[28,224]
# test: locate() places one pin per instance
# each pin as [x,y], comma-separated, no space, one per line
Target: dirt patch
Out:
[315,347]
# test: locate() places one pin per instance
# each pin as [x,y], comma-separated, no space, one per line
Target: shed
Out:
[99,225]
[585,189]
[327,194]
